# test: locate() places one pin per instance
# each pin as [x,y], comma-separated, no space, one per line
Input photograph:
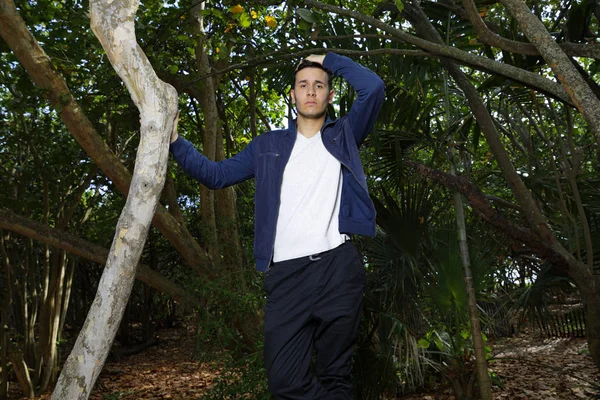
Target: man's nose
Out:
[311,91]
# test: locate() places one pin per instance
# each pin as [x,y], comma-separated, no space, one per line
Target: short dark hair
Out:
[311,64]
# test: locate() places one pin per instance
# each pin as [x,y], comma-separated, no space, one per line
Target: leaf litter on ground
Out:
[530,367]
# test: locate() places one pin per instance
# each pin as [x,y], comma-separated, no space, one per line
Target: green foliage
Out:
[242,378]
[415,306]
[229,333]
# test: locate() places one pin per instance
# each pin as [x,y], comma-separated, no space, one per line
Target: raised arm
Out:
[369,88]
[212,174]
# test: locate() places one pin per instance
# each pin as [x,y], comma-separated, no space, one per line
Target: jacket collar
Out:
[293,129]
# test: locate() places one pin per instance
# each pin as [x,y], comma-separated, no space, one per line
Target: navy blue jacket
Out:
[265,157]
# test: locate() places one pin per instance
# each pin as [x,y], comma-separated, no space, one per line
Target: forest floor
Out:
[529,367]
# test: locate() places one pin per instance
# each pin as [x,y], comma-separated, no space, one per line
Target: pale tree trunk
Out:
[578,90]
[39,68]
[113,24]
[54,310]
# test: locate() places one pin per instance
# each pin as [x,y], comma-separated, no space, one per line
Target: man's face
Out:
[311,93]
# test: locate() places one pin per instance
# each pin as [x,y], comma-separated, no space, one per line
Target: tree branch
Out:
[516,74]
[493,39]
[483,208]
[579,91]
[90,251]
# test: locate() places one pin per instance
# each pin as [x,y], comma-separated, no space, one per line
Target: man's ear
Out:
[293,96]
[331,94]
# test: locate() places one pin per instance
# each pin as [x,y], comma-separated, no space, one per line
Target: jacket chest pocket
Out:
[267,164]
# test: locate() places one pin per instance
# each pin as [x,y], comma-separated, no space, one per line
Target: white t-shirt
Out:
[310,201]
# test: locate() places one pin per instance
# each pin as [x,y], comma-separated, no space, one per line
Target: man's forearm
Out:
[370,91]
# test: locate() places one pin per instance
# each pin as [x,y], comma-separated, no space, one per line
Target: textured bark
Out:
[39,68]
[493,39]
[113,24]
[579,91]
[77,246]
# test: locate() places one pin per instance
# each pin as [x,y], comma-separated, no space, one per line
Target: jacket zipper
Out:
[276,218]
[341,162]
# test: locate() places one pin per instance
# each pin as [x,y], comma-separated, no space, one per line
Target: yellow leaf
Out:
[218,50]
[254,14]
[237,9]
[271,21]
[483,12]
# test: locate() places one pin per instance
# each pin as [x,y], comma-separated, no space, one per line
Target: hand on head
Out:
[316,58]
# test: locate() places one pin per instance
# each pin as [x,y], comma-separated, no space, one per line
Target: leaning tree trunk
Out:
[485,384]
[580,92]
[40,69]
[113,24]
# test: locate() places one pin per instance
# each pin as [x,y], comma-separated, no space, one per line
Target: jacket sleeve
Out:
[212,174]
[369,88]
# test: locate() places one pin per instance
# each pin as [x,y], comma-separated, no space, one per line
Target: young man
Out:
[311,192]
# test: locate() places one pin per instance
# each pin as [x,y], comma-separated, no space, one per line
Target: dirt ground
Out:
[530,368]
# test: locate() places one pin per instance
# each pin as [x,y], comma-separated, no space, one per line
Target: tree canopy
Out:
[503,93]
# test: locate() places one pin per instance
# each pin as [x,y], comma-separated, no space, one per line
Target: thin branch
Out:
[88,250]
[516,74]
[503,202]
[513,46]
[482,207]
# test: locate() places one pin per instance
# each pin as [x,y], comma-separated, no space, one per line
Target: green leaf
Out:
[307,15]
[423,344]
[173,69]
[245,20]
[400,5]
[304,26]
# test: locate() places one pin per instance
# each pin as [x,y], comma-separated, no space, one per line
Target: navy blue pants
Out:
[313,302]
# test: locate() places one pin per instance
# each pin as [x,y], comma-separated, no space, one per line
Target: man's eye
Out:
[319,86]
